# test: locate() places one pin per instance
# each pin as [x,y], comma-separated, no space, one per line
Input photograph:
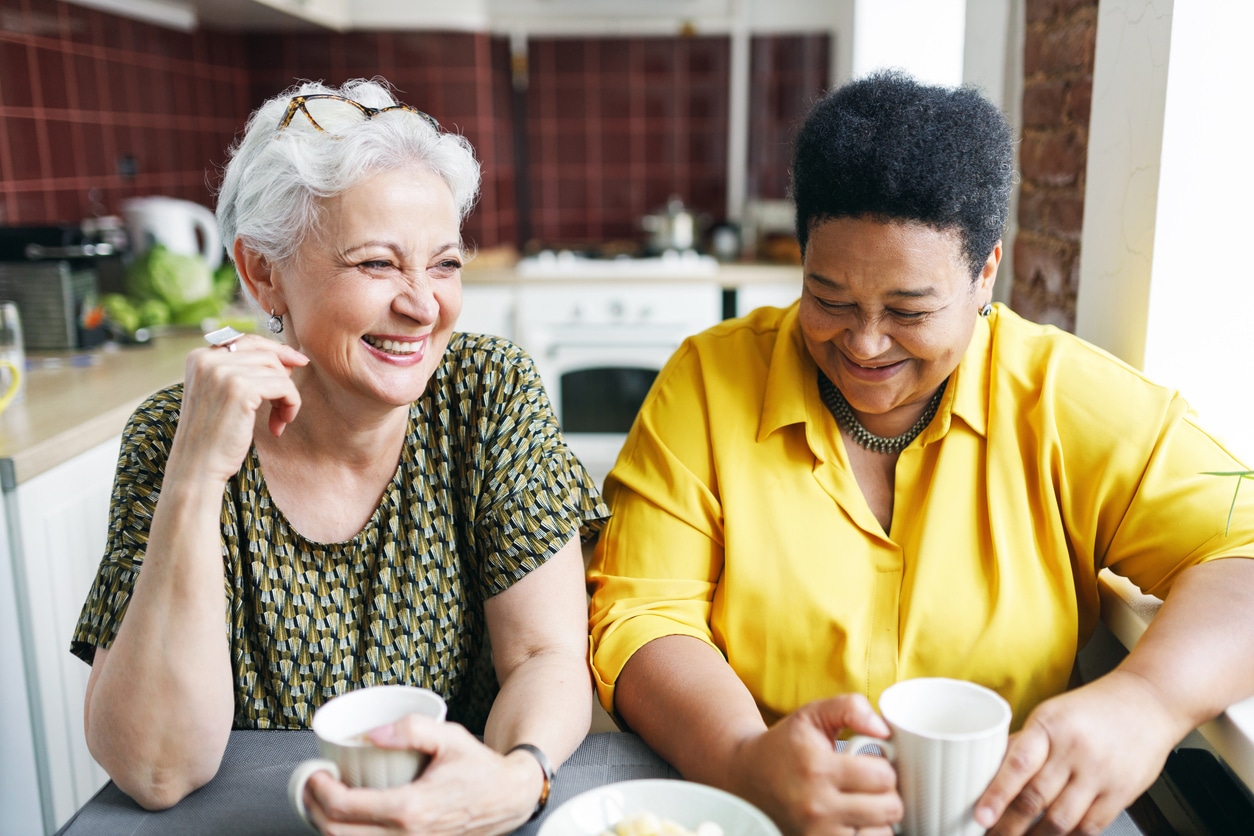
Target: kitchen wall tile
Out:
[24,142]
[51,78]
[613,126]
[363,52]
[411,49]
[97,153]
[614,109]
[15,74]
[101,88]
[68,205]
[25,204]
[86,82]
[60,157]
[79,25]
[787,74]
[315,51]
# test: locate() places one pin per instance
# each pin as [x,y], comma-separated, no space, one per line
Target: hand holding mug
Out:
[948,739]
[342,726]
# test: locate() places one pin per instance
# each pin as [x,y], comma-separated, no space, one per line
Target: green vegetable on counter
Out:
[225,283]
[173,278]
[164,287]
[119,310]
[153,312]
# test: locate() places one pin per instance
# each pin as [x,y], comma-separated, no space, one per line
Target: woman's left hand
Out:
[1080,759]
[465,788]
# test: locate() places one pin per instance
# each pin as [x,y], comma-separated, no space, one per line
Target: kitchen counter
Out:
[728,276]
[1127,612]
[72,408]
[83,402]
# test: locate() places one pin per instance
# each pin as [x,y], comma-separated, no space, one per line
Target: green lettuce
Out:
[171,287]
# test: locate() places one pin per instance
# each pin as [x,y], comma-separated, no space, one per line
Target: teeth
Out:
[394,346]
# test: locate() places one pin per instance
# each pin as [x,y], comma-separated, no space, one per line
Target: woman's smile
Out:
[379,290]
[397,347]
[887,309]
[873,372]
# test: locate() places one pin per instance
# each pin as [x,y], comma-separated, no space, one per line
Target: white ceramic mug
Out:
[341,726]
[948,739]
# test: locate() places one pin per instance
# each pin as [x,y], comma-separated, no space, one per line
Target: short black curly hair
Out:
[886,146]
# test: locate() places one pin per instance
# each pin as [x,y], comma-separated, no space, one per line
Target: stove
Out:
[567,264]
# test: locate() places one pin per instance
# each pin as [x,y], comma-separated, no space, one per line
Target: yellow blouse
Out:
[737,520]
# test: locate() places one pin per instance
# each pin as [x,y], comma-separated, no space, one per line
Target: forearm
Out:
[547,702]
[682,697]
[159,710]
[1195,653]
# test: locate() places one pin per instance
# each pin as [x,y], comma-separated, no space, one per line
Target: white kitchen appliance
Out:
[600,331]
[180,225]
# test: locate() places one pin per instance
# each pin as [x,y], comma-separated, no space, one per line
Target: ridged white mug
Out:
[948,739]
[341,726]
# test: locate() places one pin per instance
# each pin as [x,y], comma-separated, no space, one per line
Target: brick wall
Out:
[1058,51]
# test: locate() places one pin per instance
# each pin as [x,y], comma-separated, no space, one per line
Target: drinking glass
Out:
[12,355]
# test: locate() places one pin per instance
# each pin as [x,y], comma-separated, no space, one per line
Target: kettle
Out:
[180,225]
[673,229]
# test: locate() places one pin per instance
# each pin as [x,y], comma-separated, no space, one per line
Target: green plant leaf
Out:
[1240,474]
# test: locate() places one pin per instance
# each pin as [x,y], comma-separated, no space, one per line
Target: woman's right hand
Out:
[222,393]
[171,650]
[793,774]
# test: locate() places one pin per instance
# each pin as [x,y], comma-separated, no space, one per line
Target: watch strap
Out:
[546,767]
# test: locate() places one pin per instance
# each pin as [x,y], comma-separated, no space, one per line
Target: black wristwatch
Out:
[546,767]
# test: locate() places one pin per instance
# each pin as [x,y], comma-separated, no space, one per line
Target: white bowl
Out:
[683,802]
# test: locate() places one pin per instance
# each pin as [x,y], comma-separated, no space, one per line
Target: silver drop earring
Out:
[275,323]
[987,309]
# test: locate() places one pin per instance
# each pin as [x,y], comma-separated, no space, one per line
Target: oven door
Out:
[597,381]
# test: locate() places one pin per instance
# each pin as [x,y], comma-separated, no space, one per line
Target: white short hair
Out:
[273,179]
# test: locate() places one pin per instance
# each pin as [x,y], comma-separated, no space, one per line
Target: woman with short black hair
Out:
[894,478]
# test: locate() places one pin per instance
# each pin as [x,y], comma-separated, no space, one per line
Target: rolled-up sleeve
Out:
[658,562]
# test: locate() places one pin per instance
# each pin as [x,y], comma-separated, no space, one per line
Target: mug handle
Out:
[860,741]
[300,777]
[15,380]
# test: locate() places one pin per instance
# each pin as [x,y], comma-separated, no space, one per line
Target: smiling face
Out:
[887,310]
[374,293]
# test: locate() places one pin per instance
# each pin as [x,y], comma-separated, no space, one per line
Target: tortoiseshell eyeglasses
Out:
[325,110]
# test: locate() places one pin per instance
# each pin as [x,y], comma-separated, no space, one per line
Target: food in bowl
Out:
[649,824]
[687,806]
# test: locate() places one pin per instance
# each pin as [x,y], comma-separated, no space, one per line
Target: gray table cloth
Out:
[249,794]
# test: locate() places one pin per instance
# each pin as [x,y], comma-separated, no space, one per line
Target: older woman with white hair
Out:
[366,500]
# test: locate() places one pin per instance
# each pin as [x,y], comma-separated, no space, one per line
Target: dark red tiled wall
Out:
[615,126]
[787,73]
[451,75]
[95,108]
[84,95]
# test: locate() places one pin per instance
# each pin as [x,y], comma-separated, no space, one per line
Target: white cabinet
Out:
[56,524]
[489,309]
[775,294]
[19,787]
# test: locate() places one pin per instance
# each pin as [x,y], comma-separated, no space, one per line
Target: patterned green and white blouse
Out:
[486,491]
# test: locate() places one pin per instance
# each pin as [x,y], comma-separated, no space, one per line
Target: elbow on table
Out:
[160,789]
[153,785]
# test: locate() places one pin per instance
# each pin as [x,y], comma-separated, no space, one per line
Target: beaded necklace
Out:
[843,413]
